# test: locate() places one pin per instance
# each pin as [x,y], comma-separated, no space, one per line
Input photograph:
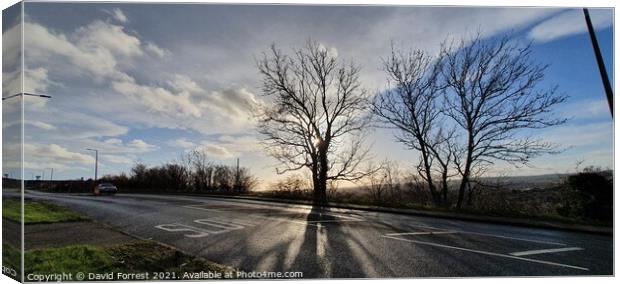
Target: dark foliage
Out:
[588,194]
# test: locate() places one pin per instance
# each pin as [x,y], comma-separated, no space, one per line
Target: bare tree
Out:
[410,106]
[202,169]
[386,180]
[492,93]
[317,109]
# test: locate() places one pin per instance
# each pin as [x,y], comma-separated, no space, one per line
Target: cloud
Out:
[11,49]
[100,36]
[118,15]
[38,156]
[72,125]
[182,83]
[140,145]
[182,143]
[116,145]
[118,159]
[585,109]
[158,99]
[217,151]
[236,105]
[44,46]
[156,50]
[40,125]
[591,134]
[570,23]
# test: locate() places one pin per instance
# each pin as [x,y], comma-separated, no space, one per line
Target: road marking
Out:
[483,234]
[200,232]
[227,226]
[513,238]
[423,233]
[541,251]
[246,223]
[490,253]
[200,207]
[176,227]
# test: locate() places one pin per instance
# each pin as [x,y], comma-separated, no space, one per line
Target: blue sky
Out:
[146,82]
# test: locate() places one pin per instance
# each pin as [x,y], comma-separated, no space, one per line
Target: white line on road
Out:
[541,251]
[423,233]
[491,253]
[513,238]
[483,234]
[200,207]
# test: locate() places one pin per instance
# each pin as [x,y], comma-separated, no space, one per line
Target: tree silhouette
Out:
[492,93]
[316,115]
[410,106]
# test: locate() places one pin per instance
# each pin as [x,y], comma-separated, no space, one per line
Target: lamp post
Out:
[96,160]
[27,94]
[600,62]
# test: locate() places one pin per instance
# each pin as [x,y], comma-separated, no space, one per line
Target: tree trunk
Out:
[465,179]
[444,189]
[429,179]
[320,178]
[322,190]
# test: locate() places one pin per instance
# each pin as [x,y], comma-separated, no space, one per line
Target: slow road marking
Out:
[221,225]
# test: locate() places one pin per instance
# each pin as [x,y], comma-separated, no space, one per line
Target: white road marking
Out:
[199,232]
[200,207]
[541,251]
[483,234]
[513,238]
[423,233]
[176,227]
[491,253]
[227,226]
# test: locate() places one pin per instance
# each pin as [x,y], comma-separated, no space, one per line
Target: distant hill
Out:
[511,182]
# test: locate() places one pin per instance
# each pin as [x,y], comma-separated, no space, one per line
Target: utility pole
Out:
[51,177]
[96,160]
[600,62]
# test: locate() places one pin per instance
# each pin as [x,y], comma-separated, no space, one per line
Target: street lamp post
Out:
[600,62]
[96,160]
[26,94]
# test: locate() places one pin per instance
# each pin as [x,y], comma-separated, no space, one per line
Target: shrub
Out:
[588,194]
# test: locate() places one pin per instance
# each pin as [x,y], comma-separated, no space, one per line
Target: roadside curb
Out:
[443,215]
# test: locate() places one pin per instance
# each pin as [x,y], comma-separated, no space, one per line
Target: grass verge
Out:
[39,212]
[11,257]
[138,257]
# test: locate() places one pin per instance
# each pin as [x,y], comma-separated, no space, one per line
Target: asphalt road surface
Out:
[338,243]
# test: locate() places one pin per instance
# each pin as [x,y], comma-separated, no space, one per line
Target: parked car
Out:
[105,188]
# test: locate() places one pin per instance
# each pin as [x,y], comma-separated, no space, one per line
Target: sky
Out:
[147,82]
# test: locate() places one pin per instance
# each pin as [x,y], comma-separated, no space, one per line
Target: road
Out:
[338,243]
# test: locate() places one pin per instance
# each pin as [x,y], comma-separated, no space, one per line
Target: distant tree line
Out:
[192,172]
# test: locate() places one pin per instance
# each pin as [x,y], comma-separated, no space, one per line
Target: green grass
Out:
[11,257]
[135,257]
[70,259]
[39,212]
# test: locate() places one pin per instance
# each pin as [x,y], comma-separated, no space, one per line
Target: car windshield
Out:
[106,184]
